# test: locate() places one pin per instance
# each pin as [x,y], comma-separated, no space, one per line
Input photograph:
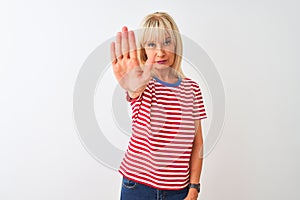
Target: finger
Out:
[118,46]
[125,46]
[132,45]
[151,59]
[113,53]
[124,28]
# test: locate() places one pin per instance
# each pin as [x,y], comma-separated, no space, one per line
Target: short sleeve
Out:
[199,111]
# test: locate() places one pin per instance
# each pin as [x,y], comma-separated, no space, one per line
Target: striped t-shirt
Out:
[163,131]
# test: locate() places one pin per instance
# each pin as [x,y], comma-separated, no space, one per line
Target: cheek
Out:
[171,55]
[170,52]
[172,59]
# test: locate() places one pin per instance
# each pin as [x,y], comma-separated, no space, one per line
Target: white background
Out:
[254,45]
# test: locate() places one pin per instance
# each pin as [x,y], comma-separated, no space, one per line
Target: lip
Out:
[161,61]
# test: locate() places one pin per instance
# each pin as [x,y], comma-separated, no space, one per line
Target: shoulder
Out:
[190,83]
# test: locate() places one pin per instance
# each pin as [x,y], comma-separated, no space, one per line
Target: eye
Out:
[151,45]
[167,42]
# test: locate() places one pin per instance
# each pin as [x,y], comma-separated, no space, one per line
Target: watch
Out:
[196,186]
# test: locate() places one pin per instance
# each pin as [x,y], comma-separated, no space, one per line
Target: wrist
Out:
[133,94]
[195,187]
[130,96]
[192,194]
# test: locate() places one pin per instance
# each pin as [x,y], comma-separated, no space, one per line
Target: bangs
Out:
[156,30]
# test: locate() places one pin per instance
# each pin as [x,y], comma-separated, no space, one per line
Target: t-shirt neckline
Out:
[168,84]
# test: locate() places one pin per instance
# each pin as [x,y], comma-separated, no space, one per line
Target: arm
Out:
[196,161]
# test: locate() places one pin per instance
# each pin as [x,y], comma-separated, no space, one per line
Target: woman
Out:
[164,156]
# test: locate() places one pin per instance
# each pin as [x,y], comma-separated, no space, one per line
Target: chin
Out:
[158,66]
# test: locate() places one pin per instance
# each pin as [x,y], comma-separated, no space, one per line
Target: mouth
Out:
[161,61]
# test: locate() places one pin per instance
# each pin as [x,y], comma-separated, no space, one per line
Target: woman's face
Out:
[163,50]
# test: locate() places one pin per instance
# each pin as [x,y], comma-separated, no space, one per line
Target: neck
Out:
[165,74]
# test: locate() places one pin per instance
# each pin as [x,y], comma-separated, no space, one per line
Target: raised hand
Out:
[126,66]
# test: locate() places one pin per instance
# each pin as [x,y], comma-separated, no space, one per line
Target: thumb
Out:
[148,66]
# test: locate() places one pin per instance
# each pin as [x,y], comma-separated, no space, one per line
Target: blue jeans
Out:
[136,191]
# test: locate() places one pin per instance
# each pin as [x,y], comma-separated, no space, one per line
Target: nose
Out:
[160,52]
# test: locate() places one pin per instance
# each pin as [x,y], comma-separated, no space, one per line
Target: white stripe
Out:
[175,139]
[173,125]
[189,121]
[187,152]
[138,127]
[180,106]
[157,148]
[155,144]
[161,162]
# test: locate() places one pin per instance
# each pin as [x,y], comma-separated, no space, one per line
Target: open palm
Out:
[126,66]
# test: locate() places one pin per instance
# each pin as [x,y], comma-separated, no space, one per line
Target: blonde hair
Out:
[156,25]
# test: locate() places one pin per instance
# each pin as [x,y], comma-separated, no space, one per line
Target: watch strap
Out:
[196,186]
